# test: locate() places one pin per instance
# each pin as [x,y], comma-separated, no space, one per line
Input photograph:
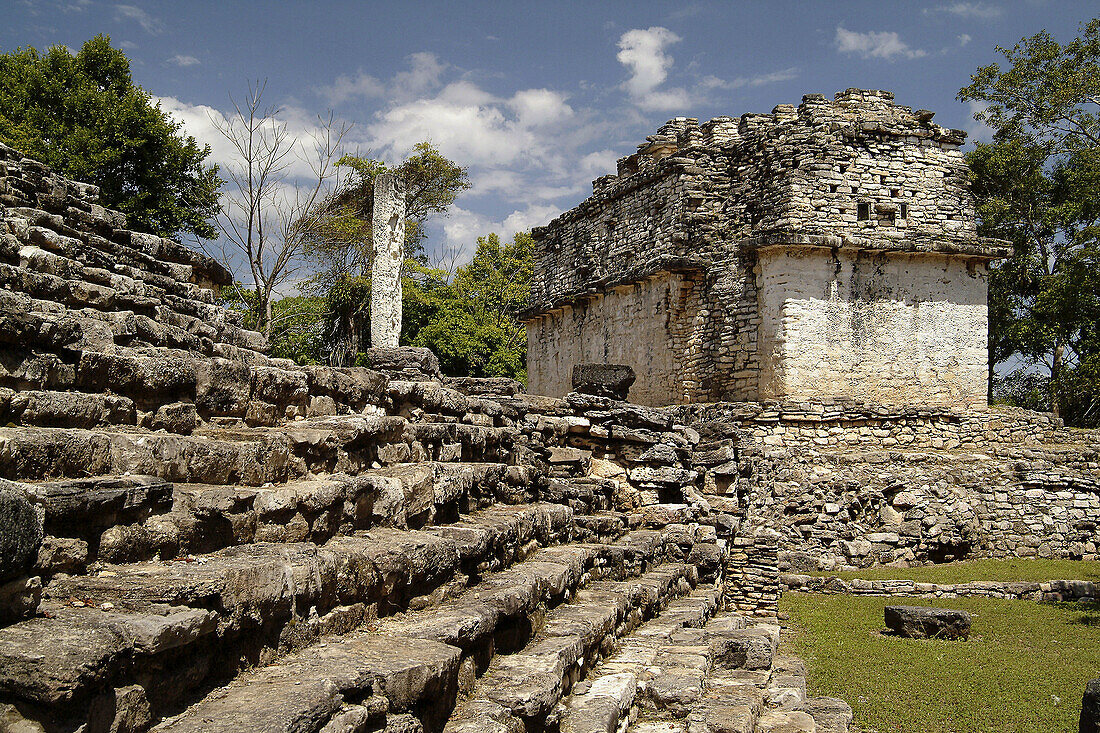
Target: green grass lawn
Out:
[1020,657]
[966,571]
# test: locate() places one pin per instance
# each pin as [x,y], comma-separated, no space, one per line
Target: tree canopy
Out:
[1037,185]
[83,115]
[471,324]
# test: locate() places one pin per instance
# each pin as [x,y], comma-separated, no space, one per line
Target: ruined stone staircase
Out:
[199,537]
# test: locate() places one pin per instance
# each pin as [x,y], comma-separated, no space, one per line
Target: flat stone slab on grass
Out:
[923,622]
[1090,708]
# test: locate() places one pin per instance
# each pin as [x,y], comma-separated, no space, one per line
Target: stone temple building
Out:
[824,249]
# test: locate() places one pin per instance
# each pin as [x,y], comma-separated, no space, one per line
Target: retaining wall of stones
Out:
[855,485]
[1051,590]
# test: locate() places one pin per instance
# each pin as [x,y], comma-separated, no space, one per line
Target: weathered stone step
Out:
[660,662]
[358,682]
[49,348]
[498,614]
[45,408]
[464,442]
[721,673]
[54,248]
[143,382]
[132,518]
[266,599]
[250,457]
[45,276]
[85,224]
[431,401]
[529,684]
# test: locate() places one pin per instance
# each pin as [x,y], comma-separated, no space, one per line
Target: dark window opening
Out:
[832,189]
[882,180]
[855,189]
[903,211]
[863,212]
[843,168]
[895,192]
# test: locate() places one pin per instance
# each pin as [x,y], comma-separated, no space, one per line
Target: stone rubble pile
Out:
[198,537]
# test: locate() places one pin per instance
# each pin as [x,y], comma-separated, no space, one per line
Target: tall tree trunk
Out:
[989,377]
[1056,374]
[268,316]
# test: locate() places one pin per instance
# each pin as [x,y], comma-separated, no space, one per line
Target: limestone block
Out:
[1090,708]
[922,622]
[603,380]
[21,529]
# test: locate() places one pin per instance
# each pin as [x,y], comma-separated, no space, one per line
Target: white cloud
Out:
[461,121]
[424,75]
[345,87]
[964,38]
[599,163]
[643,52]
[203,122]
[523,220]
[462,227]
[787,74]
[132,12]
[978,11]
[530,148]
[713,82]
[874,44]
[198,121]
[183,60]
[536,107]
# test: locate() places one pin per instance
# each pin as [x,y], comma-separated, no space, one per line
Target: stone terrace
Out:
[198,537]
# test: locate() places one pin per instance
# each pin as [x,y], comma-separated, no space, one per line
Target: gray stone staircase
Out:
[199,537]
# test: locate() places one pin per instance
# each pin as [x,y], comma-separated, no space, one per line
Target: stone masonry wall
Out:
[605,329]
[844,484]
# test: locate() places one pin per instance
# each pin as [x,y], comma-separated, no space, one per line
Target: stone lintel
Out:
[982,248]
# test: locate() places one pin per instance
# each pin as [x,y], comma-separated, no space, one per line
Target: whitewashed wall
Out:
[893,329]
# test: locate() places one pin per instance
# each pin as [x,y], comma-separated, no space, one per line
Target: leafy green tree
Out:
[83,115]
[297,324]
[471,324]
[347,319]
[497,280]
[1038,186]
[298,329]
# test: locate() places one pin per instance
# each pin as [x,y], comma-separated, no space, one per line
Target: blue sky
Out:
[536,98]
